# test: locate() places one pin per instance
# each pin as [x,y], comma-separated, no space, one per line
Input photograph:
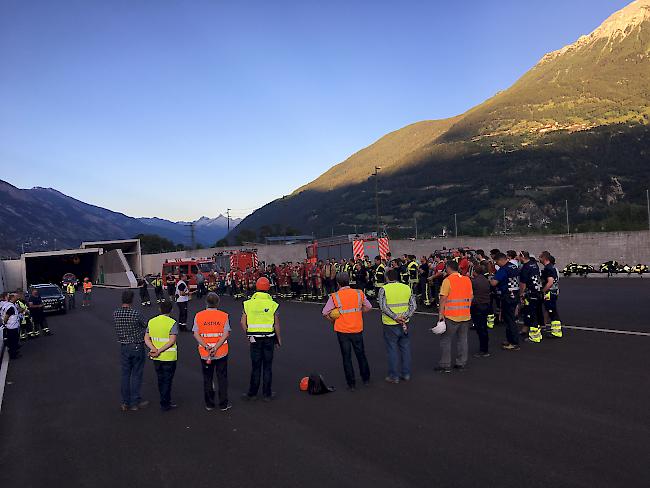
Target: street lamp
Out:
[376,175]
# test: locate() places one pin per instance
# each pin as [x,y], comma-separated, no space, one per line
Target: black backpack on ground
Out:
[317,386]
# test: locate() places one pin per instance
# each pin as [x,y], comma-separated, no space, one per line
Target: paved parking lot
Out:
[568,413]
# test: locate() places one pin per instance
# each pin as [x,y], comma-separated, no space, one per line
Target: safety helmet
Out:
[263,284]
[334,314]
[304,383]
[439,328]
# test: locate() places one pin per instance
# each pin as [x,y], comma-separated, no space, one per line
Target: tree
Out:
[153,243]
[246,235]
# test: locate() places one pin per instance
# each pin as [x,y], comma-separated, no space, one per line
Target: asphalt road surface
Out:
[567,413]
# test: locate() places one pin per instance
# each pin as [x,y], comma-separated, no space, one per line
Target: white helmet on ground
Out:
[440,327]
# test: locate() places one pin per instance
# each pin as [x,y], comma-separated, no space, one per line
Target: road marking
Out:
[607,331]
[3,375]
[572,327]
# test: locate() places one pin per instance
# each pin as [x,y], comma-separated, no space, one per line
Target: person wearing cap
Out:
[261,323]
[345,310]
[87,292]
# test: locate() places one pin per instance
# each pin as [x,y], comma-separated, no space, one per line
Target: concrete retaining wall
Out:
[116,269]
[13,274]
[589,248]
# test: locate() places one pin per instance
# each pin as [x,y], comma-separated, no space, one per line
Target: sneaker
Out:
[510,347]
[366,383]
[209,408]
[248,398]
[460,367]
[389,379]
[124,407]
[351,388]
[482,355]
[440,369]
[406,377]
[505,343]
[227,407]
[171,406]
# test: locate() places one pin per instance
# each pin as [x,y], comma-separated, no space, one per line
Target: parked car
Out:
[52,296]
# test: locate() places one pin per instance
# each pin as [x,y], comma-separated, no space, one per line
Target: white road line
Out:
[607,331]
[3,375]
[572,327]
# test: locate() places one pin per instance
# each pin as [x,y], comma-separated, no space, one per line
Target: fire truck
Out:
[241,259]
[189,267]
[348,247]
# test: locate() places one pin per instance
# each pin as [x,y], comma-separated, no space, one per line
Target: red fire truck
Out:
[241,259]
[187,266]
[348,247]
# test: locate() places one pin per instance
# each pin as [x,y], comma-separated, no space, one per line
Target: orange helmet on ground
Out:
[263,284]
[304,383]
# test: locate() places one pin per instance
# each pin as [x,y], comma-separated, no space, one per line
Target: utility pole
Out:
[455,225]
[191,226]
[415,220]
[376,175]
[566,206]
[228,217]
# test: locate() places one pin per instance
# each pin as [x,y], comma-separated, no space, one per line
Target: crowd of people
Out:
[470,290]
[23,315]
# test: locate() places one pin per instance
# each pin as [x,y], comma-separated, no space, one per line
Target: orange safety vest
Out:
[210,324]
[349,303]
[88,286]
[459,299]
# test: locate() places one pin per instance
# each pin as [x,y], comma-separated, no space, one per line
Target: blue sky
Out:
[181,109]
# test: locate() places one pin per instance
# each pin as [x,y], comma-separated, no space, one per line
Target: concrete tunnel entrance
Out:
[49,267]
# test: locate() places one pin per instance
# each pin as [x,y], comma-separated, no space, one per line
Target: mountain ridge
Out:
[44,218]
[576,112]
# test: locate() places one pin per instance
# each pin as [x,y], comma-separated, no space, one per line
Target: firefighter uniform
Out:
[70,291]
[529,274]
[550,299]
[158,289]
[412,269]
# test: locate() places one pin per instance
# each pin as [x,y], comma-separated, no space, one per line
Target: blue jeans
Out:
[132,358]
[397,344]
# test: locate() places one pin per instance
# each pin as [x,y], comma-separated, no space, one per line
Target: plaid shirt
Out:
[129,325]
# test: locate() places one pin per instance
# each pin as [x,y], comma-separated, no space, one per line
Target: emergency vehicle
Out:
[348,246]
[187,266]
[241,259]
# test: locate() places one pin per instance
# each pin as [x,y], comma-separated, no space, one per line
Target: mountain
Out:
[574,128]
[44,218]
[207,230]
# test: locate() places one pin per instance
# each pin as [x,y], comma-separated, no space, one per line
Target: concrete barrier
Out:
[589,248]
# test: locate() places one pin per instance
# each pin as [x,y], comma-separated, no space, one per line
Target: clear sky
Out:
[179,109]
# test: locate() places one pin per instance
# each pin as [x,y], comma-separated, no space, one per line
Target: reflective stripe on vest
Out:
[210,325]
[260,314]
[159,329]
[350,303]
[459,300]
[397,299]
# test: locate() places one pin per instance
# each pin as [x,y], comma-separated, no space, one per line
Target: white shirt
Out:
[182,298]
[14,320]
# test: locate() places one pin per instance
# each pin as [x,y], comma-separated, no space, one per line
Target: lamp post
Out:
[376,175]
